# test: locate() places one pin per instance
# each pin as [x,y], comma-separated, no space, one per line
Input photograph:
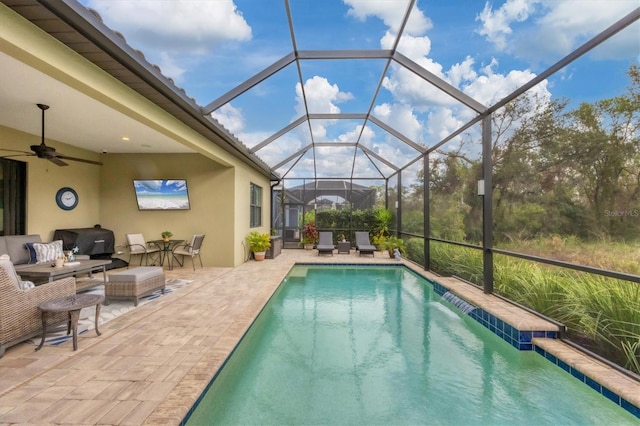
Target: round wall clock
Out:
[67,198]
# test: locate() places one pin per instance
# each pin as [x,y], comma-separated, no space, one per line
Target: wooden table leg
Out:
[74,316]
[44,329]
[98,317]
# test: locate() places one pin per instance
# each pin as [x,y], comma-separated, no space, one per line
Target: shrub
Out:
[258,242]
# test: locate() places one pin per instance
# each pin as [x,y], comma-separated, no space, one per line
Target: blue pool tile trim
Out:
[518,339]
[603,390]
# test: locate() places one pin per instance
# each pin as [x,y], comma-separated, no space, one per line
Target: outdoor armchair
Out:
[20,318]
[363,245]
[191,249]
[139,247]
[325,243]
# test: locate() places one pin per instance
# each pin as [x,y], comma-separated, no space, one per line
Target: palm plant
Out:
[258,243]
[392,243]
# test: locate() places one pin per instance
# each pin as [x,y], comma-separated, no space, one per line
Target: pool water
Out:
[375,345]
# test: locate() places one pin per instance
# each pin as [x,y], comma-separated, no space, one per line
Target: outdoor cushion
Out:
[48,252]
[138,274]
[26,285]
[17,249]
[11,272]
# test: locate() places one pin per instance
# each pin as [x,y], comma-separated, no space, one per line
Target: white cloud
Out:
[230,117]
[391,13]
[408,88]
[441,123]
[413,47]
[462,72]
[490,88]
[169,67]
[496,25]
[174,26]
[401,118]
[551,28]
[364,136]
[572,29]
[280,149]
[321,97]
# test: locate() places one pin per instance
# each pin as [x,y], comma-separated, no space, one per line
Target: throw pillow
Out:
[27,285]
[32,253]
[48,252]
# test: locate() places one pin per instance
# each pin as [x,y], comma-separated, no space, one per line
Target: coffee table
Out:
[52,273]
[72,305]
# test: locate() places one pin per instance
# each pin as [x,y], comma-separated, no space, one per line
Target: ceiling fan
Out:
[48,152]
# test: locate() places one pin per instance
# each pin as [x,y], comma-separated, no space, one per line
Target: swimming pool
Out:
[376,345]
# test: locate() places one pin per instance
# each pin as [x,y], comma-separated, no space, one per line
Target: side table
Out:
[72,305]
[165,249]
[344,247]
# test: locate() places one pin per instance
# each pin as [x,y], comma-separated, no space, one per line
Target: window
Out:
[255,206]
[13,197]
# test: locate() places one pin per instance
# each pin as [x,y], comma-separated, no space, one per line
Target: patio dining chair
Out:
[363,245]
[139,247]
[191,249]
[325,243]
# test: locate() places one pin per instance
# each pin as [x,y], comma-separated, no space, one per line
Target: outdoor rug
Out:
[58,335]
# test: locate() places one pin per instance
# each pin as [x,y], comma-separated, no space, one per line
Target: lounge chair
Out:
[325,243]
[363,245]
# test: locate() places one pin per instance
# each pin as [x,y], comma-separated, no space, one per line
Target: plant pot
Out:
[259,255]
[308,246]
[165,239]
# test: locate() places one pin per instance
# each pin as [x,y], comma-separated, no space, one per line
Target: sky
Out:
[484,49]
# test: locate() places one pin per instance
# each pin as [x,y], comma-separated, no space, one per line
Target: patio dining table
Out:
[165,249]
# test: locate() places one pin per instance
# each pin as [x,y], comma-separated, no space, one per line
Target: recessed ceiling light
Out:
[125,138]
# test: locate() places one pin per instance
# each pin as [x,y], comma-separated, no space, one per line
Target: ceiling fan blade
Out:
[17,155]
[16,150]
[57,161]
[82,160]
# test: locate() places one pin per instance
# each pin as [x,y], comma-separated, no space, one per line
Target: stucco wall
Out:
[211,193]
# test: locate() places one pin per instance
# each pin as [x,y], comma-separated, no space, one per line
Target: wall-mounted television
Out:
[162,194]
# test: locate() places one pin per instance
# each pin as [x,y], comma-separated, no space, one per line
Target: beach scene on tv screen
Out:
[162,194]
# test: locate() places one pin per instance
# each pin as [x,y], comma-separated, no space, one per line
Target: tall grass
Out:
[601,312]
[604,254]
[461,261]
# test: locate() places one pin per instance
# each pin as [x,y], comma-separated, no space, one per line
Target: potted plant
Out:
[258,243]
[166,235]
[391,244]
[309,235]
